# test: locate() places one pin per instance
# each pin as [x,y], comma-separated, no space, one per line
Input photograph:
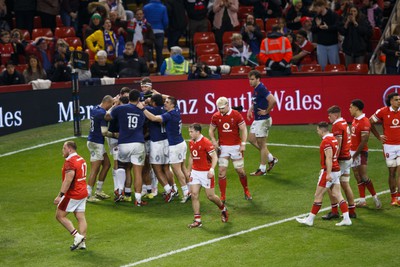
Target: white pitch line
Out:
[37,146]
[215,240]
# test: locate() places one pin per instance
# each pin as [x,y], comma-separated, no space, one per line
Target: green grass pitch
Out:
[121,234]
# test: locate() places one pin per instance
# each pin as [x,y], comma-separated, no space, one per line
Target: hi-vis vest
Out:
[176,69]
[276,49]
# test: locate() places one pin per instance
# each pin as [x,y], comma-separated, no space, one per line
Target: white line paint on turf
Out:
[215,240]
[37,146]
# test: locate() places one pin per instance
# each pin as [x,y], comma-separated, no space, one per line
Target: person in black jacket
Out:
[391,48]
[251,34]
[325,27]
[10,76]
[129,64]
[197,13]
[177,21]
[356,31]
[60,72]
[101,68]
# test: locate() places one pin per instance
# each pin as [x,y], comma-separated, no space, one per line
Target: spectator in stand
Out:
[342,7]
[43,48]
[306,24]
[10,50]
[176,64]
[60,72]
[240,53]
[391,48]
[141,34]
[104,39]
[251,34]
[17,38]
[177,21]
[156,14]
[357,32]
[197,13]
[276,53]
[96,7]
[10,76]
[292,39]
[62,50]
[282,26]
[3,16]
[325,27]
[48,10]
[117,25]
[129,64]
[225,18]
[372,12]
[307,53]
[69,13]
[24,13]
[101,68]
[114,5]
[34,71]
[95,24]
[294,15]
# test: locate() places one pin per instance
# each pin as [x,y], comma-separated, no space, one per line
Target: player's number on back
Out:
[84,169]
[132,122]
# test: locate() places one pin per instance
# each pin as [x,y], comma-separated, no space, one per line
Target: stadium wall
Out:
[300,100]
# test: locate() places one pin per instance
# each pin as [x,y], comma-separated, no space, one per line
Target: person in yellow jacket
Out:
[103,39]
[176,64]
[276,53]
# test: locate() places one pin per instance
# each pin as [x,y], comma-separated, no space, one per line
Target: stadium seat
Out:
[41,32]
[37,22]
[244,11]
[203,37]
[335,68]
[342,59]
[62,32]
[73,41]
[294,68]
[260,24]
[21,67]
[269,23]
[261,69]
[59,22]
[227,37]
[211,60]
[26,35]
[206,49]
[361,68]
[240,70]
[376,34]
[311,68]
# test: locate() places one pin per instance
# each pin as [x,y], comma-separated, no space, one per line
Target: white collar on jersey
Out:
[392,109]
[328,134]
[338,119]
[71,155]
[198,139]
[361,116]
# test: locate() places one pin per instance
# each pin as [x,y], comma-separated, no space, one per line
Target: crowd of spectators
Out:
[317,30]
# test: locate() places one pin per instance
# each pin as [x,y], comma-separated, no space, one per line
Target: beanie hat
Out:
[96,16]
[101,53]
[295,2]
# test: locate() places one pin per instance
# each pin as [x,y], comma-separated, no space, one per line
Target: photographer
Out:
[251,34]
[202,71]
[391,48]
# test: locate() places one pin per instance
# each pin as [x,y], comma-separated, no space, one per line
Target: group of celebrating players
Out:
[144,132]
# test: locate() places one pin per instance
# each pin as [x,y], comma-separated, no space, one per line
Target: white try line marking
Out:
[37,146]
[73,137]
[215,240]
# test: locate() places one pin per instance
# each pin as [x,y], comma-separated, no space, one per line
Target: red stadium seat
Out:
[211,60]
[335,68]
[261,69]
[240,70]
[244,11]
[73,41]
[41,32]
[269,23]
[37,22]
[342,59]
[59,22]
[260,24]
[206,49]
[361,68]
[26,35]
[376,34]
[21,67]
[62,32]
[294,68]
[311,68]
[227,37]
[203,37]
